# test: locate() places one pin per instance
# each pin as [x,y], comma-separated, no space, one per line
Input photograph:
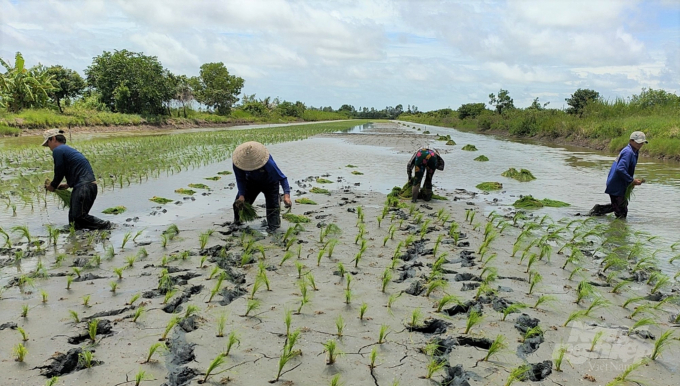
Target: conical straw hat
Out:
[250,156]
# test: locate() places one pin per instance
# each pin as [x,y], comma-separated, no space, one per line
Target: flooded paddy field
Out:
[371,291]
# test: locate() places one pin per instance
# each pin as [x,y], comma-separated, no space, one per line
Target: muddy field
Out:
[371,291]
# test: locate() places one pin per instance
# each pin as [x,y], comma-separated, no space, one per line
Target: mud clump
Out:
[456,376]
[108,313]
[104,328]
[416,288]
[89,276]
[65,363]
[482,343]
[539,371]
[524,322]
[229,295]
[180,353]
[175,303]
[466,276]
[464,308]
[471,286]
[189,324]
[10,325]
[431,326]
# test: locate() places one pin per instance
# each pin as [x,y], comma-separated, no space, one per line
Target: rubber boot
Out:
[414,193]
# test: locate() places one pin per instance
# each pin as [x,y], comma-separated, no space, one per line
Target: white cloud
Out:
[371,53]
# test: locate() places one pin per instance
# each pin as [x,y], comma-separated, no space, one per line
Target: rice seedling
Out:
[512,308]
[232,341]
[642,323]
[52,381]
[661,282]
[416,318]
[535,279]
[623,377]
[214,365]
[348,295]
[533,258]
[357,258]
[386,278]
[382,334]
[92,330]
[24,310]
[518,374]
[118,272]
[341,270]
[168,327]
[59,259]
[287,256]
[574,316]
[544,299]
[331,347]
[138,313]
[436,284]
[446,300]
[330,247]
[397,250]
[339,325]
[534,331]
[19,351]
[43,295]
[24,232]
[114,286]
[497,345]
[584,290]
[304,298]
[558,356]
[126,238]
[109,253]
[299,266]
[362,310]
[661,344]
[392,299]
[598,302]
[373,357]
[574,272]
[86,358]
[335,381]
[130,260]
[433,366]
[252,305]
[474,318]
[24,335]
[633,300]
[596,338]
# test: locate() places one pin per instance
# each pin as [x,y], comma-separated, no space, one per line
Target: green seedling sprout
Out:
[287,256]
[126,238]
[436,284]
[164,240]
[232,341]
[142,376]
[24,311]
[433,366]
[202,262]
[393,298]
[474,318]
[335,381]
[92,329]
[299,266]
[59,259]
[535,279]
[43,295]
[310,278]
[171,323]
[110,253]
[416,318]
[576,315]
[559,356]
[373,357]
[518,374]
[348,295]
[215,271]
[446,300]
[203,240]
[114,286]
[534,331]
[584,290]
[498,345]
[362,310]
[221,323]
[341,270]
[514,307]
[596,339]
[544,299]
[215,364]
[138,313]
[52,381]
[340,325]
[119,272]
[256,286]
[623,377]
[252,305]
[19,352]
[153,349]
[331,348]
[24,335]
[77,271]
[386,277]
[661,344]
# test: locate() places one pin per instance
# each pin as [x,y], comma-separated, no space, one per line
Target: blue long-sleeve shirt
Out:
[621,172]
[70,163]
[268,174]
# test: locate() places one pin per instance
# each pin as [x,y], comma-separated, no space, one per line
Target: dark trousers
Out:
[82,199]
[272,202]
[619,206]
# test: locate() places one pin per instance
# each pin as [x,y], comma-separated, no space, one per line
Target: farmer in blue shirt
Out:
[70,163]
[621,177]
[256,172]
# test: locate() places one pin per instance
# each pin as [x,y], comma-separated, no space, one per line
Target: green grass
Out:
[607,123]
[294,218]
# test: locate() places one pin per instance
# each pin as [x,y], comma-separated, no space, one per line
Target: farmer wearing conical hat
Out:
[620,178]
[425,161]
[70,163]
[256,172]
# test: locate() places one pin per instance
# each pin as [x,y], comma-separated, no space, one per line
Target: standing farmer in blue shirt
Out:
[70,163]
[256,172]
[621,177]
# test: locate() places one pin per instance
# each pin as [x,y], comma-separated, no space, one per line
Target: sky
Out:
[371,53]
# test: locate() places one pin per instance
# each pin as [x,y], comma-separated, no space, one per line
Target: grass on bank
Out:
[605,124]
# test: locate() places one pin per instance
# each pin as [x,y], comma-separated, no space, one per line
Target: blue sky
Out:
[432,54]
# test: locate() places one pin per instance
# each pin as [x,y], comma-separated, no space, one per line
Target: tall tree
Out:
[502,102]
[580,99]
[184,93]
[215,88]
[131,82]
[22,87]
[67,84]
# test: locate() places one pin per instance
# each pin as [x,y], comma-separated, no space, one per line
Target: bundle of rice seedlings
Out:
[487,186]
[451,142]
[523,175]
[246,212]
[528,202]
[294,218]
[469,147]
[115,210]
[199,186]
[482,158]
[323,181]
[629,191]
[65,196]
[554,203]
[320,191]
[160,200]
[188,192]
[305,201]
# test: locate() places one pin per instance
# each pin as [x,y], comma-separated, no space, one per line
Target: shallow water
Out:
[573,175]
